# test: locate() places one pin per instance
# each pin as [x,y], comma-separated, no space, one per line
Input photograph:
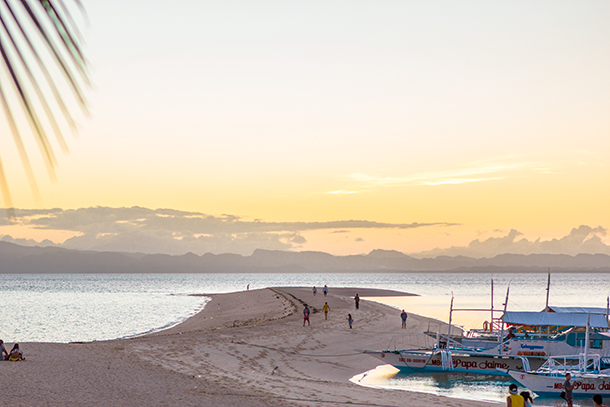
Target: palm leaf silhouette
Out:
[35,36]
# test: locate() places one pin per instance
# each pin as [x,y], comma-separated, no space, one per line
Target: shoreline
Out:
[245,348]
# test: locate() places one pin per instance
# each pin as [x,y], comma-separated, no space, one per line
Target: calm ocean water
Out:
[86,307]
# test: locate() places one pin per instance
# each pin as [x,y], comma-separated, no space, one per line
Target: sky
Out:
[432,127]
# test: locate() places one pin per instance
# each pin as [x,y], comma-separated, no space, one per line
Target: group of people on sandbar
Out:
[326,308]
[325,290]
[15,354]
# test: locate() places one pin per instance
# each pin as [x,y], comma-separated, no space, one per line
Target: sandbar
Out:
[246,348]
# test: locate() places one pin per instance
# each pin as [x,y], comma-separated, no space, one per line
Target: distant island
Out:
[36,260]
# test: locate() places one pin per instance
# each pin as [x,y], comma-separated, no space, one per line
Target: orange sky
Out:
[489,116]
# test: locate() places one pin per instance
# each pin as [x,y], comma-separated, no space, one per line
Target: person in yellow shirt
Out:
[326,309]
[514,399]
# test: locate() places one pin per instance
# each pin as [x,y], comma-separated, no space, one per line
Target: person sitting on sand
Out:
[16,353]
[350,320]
[514,399]
[597,400]
[3,350]
[306,313]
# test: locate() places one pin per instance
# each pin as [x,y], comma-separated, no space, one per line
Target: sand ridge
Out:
[243,349]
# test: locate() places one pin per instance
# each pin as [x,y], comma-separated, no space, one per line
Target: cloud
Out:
[27,242]
[170,231]
[583,239]
[298,239]
[343,192]
[477,172]
[498,168]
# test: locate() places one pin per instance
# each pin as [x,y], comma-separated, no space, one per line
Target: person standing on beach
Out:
[568,387]
[357,301]
[306,313]
[3,350]
[514,399]
[326,309]
[315,290]
[325,290]
[403,316]
[350,320]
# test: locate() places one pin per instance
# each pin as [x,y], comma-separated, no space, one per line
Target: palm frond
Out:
[35,36]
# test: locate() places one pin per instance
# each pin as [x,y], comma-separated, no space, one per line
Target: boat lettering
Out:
[464,363]
[558,385]
[524,346]
[493,365]
[468,364]
[409,360]
[587,386]
[604,386]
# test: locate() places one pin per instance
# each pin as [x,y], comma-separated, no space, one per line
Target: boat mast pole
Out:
[450,317]
[491,321]
[548,289]
[584,367]
[501,337]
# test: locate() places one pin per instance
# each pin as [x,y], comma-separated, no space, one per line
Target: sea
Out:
[90,307]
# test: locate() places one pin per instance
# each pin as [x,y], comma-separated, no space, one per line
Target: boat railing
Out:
[561,365]
[422,342]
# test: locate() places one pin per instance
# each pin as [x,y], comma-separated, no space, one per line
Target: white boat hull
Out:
[552,384]
[412,362]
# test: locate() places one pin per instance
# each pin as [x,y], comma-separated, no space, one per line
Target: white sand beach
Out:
[244,349]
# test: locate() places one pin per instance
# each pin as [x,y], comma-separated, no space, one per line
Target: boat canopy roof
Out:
[579,310]
[554,319]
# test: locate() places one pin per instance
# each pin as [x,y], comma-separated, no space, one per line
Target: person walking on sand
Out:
[357,301]
[325,289]
[315,290]
[326,308]
[403,316]
[568,387]
[597,400]
[350,320]
[514,399]
[306,313]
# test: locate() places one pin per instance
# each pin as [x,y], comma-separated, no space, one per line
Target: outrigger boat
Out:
[531,338]
[592,377]
[590,373]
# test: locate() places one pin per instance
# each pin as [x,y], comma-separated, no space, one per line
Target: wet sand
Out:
[244,349]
